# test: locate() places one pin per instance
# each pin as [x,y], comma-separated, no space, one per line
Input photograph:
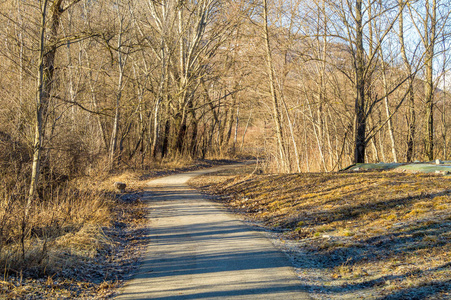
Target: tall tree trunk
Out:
[444,110]
[245,130]
[292,134]
[317,132]
[411,95]
[235,134]
[360,114]
[47,52]
[156,130]
[161,89]
[431,18]
[165,145]
[275,102]
[21,64]
[100,125]
[120,86]
[411,124]
[390,122]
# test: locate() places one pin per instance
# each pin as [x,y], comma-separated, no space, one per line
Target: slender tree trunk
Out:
[230,126]
[114,133]
[275,102]
[316,131]
[161,89]
[390,122]
[245,131]
[165,145]
[181,133]
[307,150]
[431,18]
[156,131]
[21,63]
[444,111]
[120,85]
[411,124]
[334,153]
[47,52]
[411,95]
[96,106]
[376,152]
[235,135]
[360,114]
[293,140]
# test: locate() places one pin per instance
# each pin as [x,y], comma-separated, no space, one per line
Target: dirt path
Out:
[198,250]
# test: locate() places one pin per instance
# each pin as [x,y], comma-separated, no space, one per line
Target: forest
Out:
[307,85]
[93,86]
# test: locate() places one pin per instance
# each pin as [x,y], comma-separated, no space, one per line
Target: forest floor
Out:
[92,261]
[350,235]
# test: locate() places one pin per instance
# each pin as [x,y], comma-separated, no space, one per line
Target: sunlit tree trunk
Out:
[121,60]
[388,114]
[272,87]
[411,95]
[360,114]
[49,25]
[429,40]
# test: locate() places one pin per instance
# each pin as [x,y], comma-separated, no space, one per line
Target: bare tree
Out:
[50,17]
[429,17]
[411,119]
[122,49]
[356,20]
[272,87]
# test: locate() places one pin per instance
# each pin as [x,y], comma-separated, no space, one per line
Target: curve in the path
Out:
[198,250]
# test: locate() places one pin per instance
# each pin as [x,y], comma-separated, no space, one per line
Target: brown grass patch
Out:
[69,245]
[379,234]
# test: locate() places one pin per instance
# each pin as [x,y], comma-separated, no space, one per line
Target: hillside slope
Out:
[365,234]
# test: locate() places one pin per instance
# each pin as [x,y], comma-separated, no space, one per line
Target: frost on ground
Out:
[355,235]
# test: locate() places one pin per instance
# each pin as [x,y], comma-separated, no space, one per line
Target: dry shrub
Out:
[66,225]
[14,162]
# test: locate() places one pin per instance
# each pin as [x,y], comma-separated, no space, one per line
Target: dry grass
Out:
[49,222]
[82,240]
[363,235]
[135,178]
[75,243]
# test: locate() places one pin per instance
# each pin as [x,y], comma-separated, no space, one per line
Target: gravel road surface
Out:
[198,250]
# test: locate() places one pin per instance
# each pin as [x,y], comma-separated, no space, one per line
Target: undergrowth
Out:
[82,238]
[27,242]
